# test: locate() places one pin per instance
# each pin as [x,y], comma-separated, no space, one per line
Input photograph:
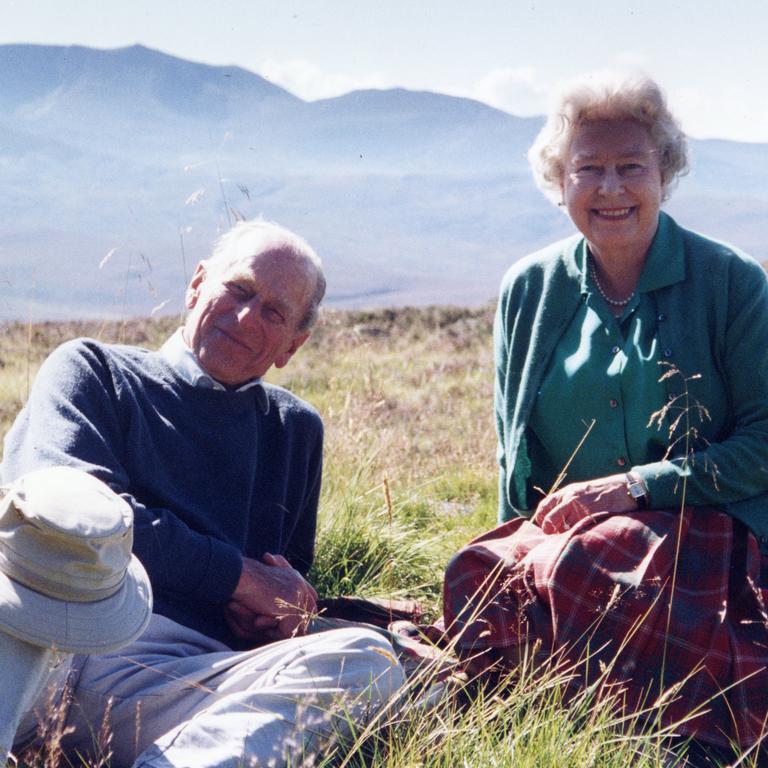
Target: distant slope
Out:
[36,76]
[410,197]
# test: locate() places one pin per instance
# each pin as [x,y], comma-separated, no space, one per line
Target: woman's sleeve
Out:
[501,406]
[735,468]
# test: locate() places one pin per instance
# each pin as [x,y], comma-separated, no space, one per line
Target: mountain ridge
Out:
[409,196]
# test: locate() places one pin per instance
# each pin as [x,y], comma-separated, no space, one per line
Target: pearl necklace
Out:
[612,302]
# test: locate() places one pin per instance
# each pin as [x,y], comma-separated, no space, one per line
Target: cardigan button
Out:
[661,317]
[672,396]
[667,352]
[615,350]
[621,461]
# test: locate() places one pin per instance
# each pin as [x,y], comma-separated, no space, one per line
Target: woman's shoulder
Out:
[718,253]
[544,265]
[717,271]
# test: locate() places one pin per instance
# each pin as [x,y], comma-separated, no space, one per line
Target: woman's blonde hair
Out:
[607,97]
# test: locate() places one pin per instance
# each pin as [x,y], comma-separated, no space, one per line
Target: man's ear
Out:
[193,289]
[282,359]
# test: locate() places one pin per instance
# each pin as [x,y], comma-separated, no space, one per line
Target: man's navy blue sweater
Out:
[211,475]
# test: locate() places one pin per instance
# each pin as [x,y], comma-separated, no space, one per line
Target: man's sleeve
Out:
[73,417]
[300,550]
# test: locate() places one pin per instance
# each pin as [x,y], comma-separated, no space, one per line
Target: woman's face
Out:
[612,186]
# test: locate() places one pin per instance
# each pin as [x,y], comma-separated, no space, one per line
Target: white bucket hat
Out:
[67,576]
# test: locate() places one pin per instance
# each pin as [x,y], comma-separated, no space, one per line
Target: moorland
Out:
[409,477]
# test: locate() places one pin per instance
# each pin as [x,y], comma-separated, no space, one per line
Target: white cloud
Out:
[738,115]
[307,81]
[516,90]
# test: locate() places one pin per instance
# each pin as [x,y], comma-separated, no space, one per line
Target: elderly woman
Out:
[632,412]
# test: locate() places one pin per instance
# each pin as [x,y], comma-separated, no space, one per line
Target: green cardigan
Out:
[712,324]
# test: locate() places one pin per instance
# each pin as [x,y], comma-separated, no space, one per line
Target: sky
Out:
[709,55]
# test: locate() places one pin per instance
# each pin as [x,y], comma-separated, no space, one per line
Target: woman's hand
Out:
[564,508]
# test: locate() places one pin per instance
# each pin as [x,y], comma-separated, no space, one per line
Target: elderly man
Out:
[222,472]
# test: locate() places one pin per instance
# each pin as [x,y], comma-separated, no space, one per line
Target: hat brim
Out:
[95,627]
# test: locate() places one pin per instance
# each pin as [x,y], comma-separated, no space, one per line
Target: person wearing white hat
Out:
[68,582]
[222,472]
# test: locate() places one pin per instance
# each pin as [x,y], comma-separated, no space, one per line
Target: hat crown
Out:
[65,534]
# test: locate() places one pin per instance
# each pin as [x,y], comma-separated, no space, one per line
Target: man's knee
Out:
[367,661]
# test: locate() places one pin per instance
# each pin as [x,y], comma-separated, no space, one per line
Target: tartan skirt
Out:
[656,600]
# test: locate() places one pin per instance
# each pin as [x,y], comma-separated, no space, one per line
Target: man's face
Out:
[244,318]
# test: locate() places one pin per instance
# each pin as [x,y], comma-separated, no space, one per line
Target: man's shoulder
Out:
[90,354]
[82,359]
[86,347]
[290,407]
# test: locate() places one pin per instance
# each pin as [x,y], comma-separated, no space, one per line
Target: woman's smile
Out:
[612,187]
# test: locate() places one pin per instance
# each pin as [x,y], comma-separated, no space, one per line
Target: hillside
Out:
[410,197]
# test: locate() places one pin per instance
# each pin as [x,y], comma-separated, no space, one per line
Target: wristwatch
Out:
[637,489]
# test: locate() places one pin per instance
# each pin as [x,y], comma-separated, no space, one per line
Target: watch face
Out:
[637,491]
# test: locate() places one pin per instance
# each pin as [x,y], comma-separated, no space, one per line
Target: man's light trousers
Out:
[177,698]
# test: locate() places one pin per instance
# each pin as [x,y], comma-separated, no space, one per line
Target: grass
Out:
[410,476]
[528,718]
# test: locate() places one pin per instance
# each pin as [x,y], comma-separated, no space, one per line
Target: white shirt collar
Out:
[182,359]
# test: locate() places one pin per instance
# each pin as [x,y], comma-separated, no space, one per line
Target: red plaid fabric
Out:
[602,589]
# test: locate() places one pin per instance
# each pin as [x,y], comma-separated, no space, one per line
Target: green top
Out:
[591,413]
[711,308]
